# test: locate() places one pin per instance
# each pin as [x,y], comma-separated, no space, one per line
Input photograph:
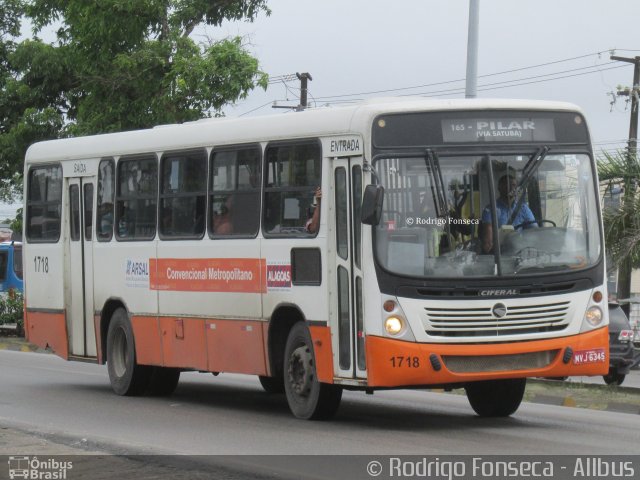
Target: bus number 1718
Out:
[408,362]
[41,264]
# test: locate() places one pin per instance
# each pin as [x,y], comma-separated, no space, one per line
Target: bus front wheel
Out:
[613,377]
[308,398]
[496,398]
[126,376]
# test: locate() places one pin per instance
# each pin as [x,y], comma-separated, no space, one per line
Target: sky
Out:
[359,46]
[419,47]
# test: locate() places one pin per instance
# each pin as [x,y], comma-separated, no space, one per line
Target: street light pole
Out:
[472,50]
[624,270]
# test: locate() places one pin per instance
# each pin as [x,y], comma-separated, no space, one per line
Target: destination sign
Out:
[503,127]
[497,130]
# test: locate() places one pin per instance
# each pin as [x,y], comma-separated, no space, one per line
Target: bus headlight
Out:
[393,325]
[593,316]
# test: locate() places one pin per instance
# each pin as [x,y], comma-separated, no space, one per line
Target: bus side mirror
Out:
[372,204]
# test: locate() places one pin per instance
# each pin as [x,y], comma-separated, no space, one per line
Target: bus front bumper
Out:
[394,363]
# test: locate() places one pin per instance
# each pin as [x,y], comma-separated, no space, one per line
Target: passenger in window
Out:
[313,222]
[124,222]
[106,219]
[166,222]
[506,205]
[222,224]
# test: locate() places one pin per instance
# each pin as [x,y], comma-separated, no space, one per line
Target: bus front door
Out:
[346,312]
[79,272]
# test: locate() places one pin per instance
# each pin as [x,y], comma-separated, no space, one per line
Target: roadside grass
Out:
[584,395]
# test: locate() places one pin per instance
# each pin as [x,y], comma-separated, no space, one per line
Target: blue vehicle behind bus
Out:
[11,268]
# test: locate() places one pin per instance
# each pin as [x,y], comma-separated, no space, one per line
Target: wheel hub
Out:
[119,354]
[300,371]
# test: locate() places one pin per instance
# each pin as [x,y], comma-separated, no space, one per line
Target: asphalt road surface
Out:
[230,414]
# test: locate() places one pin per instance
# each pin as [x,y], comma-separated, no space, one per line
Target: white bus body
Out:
[123,263]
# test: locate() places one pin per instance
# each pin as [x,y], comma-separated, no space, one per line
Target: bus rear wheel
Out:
[163,381]
[307,397]
[496,398]
[126,376]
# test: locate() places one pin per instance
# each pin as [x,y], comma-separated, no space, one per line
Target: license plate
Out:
[596,355]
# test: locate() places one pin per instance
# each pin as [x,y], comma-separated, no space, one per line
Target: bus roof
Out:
[315,122]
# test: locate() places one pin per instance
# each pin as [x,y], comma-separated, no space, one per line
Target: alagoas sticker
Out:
[278,276]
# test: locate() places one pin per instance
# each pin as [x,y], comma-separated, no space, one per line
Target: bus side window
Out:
[183,192]
[136,198]
[234,200]
[293,173]
[44,204]
[106,190]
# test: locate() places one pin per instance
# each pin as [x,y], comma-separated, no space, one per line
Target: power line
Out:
[495,85]
[454,91]
[485,87]
[282,78]
[257,108]
[520,81]
[462,79]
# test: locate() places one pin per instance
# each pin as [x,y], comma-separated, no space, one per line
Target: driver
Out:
[505,206]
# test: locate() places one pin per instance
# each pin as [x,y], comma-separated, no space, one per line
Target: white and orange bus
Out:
[457,244]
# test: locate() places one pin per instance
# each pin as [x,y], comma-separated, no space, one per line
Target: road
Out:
[230,414]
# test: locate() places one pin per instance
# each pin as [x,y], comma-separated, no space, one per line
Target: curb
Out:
[18,344]
[569,401]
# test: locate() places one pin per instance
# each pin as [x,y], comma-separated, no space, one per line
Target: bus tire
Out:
[163,381]
[496,398]
[272,385]
[126,376]
[308,398]
[613,377]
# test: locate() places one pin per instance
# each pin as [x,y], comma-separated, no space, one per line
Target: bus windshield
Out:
[489,215]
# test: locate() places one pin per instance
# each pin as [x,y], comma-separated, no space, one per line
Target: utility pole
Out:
[472,49]
[624,271]
[303,77]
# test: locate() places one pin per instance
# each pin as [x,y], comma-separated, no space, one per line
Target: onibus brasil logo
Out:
[32,468]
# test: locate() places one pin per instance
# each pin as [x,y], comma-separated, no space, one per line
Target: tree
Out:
[620,174]
[117,65]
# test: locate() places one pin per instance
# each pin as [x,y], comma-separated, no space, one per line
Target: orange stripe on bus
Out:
[146,334]
[387,370]
[321,337]
[183,343]
[236,346]
[242,275]
[233,346]
[48,330]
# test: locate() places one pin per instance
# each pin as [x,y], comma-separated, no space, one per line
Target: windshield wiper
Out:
[528,171]
[433,167]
